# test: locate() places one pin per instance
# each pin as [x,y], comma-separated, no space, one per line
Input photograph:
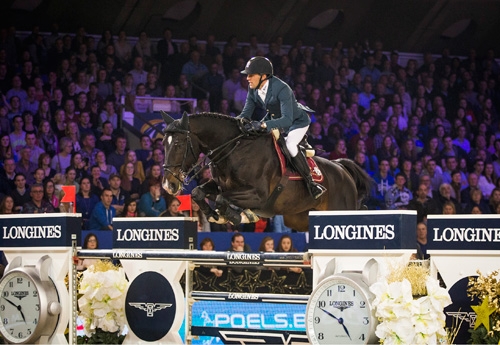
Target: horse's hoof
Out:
[250,216]
[218,220]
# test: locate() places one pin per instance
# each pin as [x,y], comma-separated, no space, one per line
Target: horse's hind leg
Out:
[206,190]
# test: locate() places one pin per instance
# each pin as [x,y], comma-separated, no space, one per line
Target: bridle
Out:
[216,156]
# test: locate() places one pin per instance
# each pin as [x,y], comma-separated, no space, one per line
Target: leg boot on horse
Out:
[300,164]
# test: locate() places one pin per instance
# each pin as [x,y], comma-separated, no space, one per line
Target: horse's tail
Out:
[362,180]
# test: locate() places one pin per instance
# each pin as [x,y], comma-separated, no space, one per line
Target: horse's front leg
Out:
[207,190]
[231,211]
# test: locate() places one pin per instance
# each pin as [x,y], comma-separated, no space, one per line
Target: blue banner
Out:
[462,232]
[39,230]
[362,230]
[155,233]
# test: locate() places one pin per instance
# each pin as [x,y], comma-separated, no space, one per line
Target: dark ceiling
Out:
[405,25]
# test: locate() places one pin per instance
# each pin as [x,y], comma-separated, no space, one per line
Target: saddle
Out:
[284,158]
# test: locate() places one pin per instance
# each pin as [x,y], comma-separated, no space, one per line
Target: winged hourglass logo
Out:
[150,308]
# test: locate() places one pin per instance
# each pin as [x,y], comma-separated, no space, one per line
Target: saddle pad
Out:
[316,174]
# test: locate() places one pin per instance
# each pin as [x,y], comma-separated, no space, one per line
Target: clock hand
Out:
[340,320]
[18,307]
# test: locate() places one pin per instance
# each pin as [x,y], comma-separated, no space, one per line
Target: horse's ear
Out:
[167,118]
[185,121]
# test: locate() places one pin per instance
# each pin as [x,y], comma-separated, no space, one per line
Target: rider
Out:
[275,96]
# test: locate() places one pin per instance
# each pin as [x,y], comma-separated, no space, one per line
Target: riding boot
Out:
[300,164]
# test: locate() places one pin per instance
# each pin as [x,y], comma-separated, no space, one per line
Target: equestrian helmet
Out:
[258,65]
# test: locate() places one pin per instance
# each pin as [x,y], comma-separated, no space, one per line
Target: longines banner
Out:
[39,230]
[362,229]
[463,232]
[155,233]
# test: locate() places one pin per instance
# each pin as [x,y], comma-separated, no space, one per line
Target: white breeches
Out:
[293,139]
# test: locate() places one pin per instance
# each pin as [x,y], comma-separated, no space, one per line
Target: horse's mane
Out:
[214,115]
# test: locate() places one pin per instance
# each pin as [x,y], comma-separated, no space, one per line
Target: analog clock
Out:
[29,304]
[339,311]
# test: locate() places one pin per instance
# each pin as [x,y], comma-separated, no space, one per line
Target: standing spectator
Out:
[102,215]
[37,204]
[151,203]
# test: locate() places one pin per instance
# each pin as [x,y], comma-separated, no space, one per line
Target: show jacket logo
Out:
[150,308]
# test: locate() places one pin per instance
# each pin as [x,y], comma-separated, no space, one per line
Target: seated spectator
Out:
[340,150]
[487,180]
[203,223]
[422,242]
[102,215]
[119,195]
[173,209]
[449,208]
[26,166]
[383,181]
[145,153]
[423,204]
[97,181]
[106,169]
[476,200]
[238,244]
[285,245]
[131,157]
[63,159]
[267,244]
[495,200]
[50,194]
[208,244]
[37,204]
[153,172]
[445,192]
[130,208]
[44,164]
[106,142]
[90,242]
[129,183]
[86,201]
[7,205]
[151,203]
[398,196]
[20,194]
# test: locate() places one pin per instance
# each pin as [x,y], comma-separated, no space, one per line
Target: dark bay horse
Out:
[247,180]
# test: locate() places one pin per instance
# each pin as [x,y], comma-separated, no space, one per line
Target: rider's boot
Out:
[226,211]
[300,164]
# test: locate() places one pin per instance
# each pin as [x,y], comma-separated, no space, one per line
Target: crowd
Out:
[428,133]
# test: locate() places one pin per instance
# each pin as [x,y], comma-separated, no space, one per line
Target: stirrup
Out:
[316,190]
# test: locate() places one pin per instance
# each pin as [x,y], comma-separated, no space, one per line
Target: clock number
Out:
[35,293]
[35,321]
[362,337]
[6,294]
[19,280]
[329,293]
[354,292]
[37,307]
[29,283]
[366,321]
[11,330]
[321,304]
[362,304]
[321,336]
[28,331]
[2,307]
[5,321]
[341,288]
[317,319]
[11,284]
[20,334]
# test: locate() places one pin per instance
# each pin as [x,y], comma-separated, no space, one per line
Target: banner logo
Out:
[150,308]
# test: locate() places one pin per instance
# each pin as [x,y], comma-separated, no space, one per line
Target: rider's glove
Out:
[256,127]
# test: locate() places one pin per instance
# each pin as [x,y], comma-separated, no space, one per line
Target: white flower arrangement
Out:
[408,320]
[102,289]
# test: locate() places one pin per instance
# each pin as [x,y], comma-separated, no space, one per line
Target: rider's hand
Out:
[255,126]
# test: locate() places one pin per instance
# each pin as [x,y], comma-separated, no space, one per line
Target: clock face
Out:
[19,307]
[339,312]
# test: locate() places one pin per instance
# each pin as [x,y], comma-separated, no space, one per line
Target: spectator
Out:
[238,244]
[435,176]
[25,166]
[7,205]
[102,215]
[449,208]
[398,196]
[9,166]
[445,195]
[36,151]
[267,244]
[89,151]
[37,204]
[151,203]
[139,75]
[495,200]
[109,114]
[90,242]
[50,194]
[130,208]
[422,242]
[285,245]
[473,180]
[117,157]
[173,209]
[97,181]
[119,195]
[423,204]
[383,181]
[487,180]
[6,151]
[47,140]
[106,169]
[138,167]
[477,201]
[18,136]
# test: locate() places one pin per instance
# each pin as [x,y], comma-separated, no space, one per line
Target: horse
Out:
[247,181]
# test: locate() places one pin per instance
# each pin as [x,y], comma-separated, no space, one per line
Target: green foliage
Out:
[102,337]
[480,335]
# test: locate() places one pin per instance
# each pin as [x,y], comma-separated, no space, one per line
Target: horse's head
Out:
[181,152]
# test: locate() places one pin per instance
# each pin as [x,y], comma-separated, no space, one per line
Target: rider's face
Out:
[253,80]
